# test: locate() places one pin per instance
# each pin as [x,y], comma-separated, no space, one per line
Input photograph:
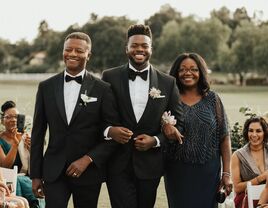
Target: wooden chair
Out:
[254,193]
[10,178]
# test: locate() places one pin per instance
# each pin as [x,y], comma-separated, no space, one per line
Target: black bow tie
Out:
[132,74]
[78,79]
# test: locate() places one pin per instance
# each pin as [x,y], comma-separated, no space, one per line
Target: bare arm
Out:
[239,185]
[225,148]
[8,160]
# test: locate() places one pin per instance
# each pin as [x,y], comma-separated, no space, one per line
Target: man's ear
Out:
[88,56]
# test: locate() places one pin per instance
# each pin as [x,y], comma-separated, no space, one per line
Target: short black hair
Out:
[203,83]
[256,119]
[139,29]
[80,36]
[7,105]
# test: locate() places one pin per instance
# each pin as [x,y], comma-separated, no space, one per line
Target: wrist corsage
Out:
[167,118]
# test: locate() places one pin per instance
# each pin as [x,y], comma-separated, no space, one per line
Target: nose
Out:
[73,53]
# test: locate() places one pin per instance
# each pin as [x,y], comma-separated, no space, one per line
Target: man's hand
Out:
[77,167]
[120,134]
[144,142]
[172,133]
[38,188]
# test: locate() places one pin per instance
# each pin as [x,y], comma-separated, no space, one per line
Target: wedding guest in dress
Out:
[199,167]
[9,201]
[14,150]
[250,163]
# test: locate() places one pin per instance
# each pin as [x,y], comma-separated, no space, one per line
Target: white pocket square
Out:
[92,99]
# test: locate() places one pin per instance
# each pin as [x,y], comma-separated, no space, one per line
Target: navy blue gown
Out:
[193,168]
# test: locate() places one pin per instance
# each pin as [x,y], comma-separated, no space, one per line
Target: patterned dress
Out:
[193,169]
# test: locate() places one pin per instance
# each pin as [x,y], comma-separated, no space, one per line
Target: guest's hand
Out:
[227,183]
[172,133]
[3,187]
[15,136]
[27,141]
[144,142]
[77,167]
[38,188]
[120,134]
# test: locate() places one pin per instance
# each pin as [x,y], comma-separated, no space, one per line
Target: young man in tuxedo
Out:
[77,108]
[143,95]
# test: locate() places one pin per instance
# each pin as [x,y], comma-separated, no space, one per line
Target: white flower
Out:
[167,118]
[155,93]
[85,98]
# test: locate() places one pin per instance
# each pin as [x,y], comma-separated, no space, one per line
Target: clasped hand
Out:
[172,133]
[120,134]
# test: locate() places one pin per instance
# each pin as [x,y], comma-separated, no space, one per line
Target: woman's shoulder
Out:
[242,151]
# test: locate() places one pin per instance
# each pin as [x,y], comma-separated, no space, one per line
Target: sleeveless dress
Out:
[193,168]
[24,183]
[248,169]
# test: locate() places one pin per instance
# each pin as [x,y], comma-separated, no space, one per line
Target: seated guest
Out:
[263,202]
[14,149]
[10,201]
[249,163]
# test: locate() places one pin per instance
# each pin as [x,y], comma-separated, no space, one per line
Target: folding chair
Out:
[10,178]
[254,193]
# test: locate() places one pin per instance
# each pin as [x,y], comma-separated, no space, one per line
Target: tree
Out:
[204,37]
[159,19]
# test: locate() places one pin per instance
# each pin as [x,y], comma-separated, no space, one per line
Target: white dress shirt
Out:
[71,91]
[139,92]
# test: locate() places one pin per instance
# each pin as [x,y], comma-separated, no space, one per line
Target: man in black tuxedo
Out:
[143,95]
[77,108]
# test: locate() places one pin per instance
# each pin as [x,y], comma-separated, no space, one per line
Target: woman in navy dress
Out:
[194,173]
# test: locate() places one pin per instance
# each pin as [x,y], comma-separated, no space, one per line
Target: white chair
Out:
[10,177]
[254,193]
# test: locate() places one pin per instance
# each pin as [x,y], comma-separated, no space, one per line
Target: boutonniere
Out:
[167,118]
[155,93]
[86,99]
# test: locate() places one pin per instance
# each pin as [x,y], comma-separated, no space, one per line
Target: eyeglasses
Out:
[192,70]
[9,117]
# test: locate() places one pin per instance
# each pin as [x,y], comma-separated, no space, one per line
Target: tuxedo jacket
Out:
[147,164]
[83,135]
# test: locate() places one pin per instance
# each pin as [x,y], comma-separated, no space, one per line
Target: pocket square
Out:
[92,99]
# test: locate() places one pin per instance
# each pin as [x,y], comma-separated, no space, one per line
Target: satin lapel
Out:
[87,85]
[125,93]
[149,105]
[60,97]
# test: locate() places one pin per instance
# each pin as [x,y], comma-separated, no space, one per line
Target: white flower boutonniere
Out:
[155,93]
[167,118]
[86,99]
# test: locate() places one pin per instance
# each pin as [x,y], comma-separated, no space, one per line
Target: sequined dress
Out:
[193,168]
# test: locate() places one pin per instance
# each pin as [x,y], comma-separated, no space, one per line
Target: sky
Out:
[19,19]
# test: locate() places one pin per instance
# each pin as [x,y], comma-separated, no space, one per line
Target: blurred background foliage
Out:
[230,41]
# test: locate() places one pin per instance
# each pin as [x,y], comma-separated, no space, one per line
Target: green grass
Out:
[233,97]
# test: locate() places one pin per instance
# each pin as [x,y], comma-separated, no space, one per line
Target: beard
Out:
[139,65]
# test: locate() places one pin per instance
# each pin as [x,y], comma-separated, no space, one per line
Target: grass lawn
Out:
[233,97]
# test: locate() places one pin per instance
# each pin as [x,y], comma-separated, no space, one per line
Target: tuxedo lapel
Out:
[149,105]
[125,93]
[60,97]
[86,87]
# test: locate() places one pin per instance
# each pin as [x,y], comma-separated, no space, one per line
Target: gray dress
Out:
[193,169]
